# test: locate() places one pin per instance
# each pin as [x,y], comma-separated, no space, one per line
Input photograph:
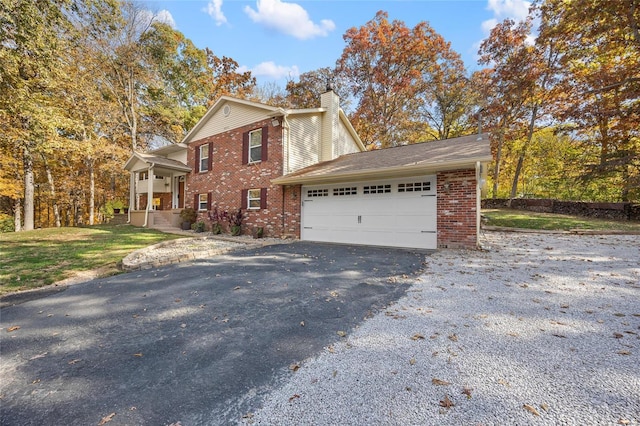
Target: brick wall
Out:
[165,200]
[228,176]
[457,210]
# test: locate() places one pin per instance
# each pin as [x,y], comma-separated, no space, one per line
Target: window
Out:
[203,201]
[317,193]
[255,146]
[143,175]
[376,189]
[204,157]
[352,190]
[414,187]
[253,199]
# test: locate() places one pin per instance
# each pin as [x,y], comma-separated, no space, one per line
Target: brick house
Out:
[304,173]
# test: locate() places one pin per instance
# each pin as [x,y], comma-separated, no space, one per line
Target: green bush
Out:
[6,223]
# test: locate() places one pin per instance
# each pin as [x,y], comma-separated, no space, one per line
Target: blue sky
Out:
[278,39]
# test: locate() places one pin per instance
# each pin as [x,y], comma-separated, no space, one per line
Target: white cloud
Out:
[214,9]
[165,17]
[270,70]
[503,9]
[288,18]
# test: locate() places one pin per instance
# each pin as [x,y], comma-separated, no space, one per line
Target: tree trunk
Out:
[29,189]
[496,166]
[92,191]
[523,151]
[52,193]
[17,215]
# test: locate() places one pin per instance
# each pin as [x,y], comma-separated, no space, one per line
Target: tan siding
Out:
[304,141]
[344,143]
[179,156]
[239,115]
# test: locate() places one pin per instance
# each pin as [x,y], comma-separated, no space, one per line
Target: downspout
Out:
[150,178]
[286,128]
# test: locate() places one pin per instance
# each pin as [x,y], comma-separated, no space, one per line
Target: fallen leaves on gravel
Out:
[531,409]
[294,367]
[295,396]
[467,391]
[139,354]
[446,402]
[13,328]
[106,419]
[341,333]
[417,336]
[412,361]
[439,382]
[453,337]
[624,352]
[74,361]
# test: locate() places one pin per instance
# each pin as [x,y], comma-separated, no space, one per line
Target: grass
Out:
[548,221]
[37,258]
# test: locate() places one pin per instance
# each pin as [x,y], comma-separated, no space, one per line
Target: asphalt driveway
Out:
[190,344]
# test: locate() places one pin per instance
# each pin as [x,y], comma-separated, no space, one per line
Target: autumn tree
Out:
[599,90]
[30,53]
[305,93]
[517,90]
[389,69]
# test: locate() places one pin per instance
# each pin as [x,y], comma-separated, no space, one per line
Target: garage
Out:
[395,213]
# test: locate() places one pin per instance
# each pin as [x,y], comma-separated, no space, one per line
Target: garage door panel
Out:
[381,215]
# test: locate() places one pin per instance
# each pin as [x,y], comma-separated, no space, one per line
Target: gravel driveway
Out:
[539,329]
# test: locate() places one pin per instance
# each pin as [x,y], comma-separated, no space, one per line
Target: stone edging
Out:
[128,266]
[569,232]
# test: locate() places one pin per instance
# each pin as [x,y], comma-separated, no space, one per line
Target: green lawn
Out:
[36,258]
[548,221]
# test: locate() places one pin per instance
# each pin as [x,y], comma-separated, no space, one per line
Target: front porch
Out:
[157,219]
[156,190]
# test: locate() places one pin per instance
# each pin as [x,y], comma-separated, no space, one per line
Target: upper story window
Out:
[255,146]
[204,158]
[143,175]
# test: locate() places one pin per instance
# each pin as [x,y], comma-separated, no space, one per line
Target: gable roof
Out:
[156,160]
[269,111]
[406,160]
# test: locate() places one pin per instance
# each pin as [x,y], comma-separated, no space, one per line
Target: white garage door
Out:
[396,213]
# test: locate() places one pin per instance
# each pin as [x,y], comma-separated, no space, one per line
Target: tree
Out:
[389,69]
[305,93]
[33,41]
[518,87]
[599,88]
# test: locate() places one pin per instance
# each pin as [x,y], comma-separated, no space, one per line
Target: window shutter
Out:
[197,158]
[210,160]
[209,197]
[263,198]
[243,202]
[265,139]
[245,148]
[196,201]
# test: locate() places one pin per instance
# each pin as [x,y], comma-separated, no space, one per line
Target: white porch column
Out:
[132,194]
[150,180]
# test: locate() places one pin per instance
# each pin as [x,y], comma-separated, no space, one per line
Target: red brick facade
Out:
[229,177]
[457,209]
[165,200]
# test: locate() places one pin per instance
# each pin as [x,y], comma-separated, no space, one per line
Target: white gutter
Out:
[399,171]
